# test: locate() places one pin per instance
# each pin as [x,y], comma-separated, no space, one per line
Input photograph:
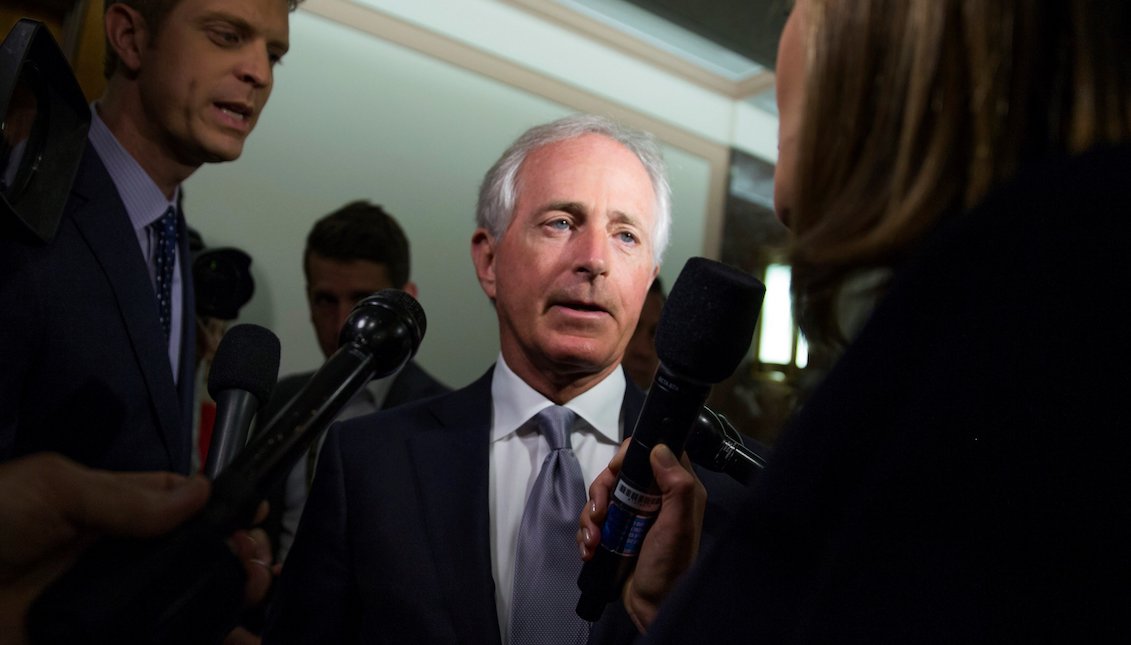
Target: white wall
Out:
[355,117]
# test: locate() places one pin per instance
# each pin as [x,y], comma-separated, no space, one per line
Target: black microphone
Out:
[240,380]
[704,331]
[187,587]
[381,334]
[715,445]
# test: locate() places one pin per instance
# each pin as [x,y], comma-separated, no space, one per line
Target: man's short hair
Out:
[499,191]
[361,231]
[153,12]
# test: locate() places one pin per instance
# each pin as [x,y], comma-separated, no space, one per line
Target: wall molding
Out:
[392,29]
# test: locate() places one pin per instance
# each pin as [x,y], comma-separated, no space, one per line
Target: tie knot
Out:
[554,423]
[167,223]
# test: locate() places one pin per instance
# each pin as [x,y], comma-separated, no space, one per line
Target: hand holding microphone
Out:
[705,330]
[672,543]
[187,587]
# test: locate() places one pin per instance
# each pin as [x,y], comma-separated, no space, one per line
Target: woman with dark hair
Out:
[959,168]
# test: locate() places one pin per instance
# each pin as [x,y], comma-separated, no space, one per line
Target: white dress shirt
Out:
[517,457]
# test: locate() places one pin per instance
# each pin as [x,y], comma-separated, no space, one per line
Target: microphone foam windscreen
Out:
[247,359]
[708,320]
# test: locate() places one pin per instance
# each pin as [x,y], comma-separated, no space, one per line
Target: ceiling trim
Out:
[673,64]
[392,29]
[755,85]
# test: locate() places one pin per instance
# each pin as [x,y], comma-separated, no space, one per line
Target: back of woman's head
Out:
[917,108]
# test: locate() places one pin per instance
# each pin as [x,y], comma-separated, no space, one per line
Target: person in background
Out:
[351,253]
[640,359]
[960,474]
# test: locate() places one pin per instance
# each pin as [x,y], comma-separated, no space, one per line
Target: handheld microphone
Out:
[381,334]
[705,329]
[241,378]
[715,445]
[187,587]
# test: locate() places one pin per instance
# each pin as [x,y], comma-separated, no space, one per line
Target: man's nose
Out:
[255,67]
[591,246]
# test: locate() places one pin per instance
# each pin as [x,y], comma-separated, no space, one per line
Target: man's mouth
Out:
[582,306]
[238,111]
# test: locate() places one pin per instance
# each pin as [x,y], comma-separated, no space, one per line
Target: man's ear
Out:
[410,288]
[127,34]
[483,257]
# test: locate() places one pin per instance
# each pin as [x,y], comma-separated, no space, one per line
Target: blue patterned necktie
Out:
[166,258]
[546,561]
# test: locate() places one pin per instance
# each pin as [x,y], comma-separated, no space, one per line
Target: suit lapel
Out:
[630,409]
[451,461]
[102,221]
[401,388]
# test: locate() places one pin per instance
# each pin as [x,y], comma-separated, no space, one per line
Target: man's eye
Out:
[225,38]
[559,224]
[628,238]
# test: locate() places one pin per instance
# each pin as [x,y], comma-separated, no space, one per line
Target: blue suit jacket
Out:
[85,363]
[395,542]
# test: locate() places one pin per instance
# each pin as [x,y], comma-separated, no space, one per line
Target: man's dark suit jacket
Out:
[85,368]
[395,542]
[961,475]
[412,383]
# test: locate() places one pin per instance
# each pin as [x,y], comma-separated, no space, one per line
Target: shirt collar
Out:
[514,403]
[144,201]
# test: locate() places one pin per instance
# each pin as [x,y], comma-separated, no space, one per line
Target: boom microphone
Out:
[241,378]
[704,331]
[187,587]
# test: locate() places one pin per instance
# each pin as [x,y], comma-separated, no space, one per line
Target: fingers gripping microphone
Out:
[187,587]
[241,378]
[705,329]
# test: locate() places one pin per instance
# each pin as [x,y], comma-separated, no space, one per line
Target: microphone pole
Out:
[186,588]
[705,330]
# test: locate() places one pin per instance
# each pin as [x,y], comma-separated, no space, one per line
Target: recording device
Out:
[222,281]
[715,445]
[705,330]
[241,378]
[187,587]
[44,119]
